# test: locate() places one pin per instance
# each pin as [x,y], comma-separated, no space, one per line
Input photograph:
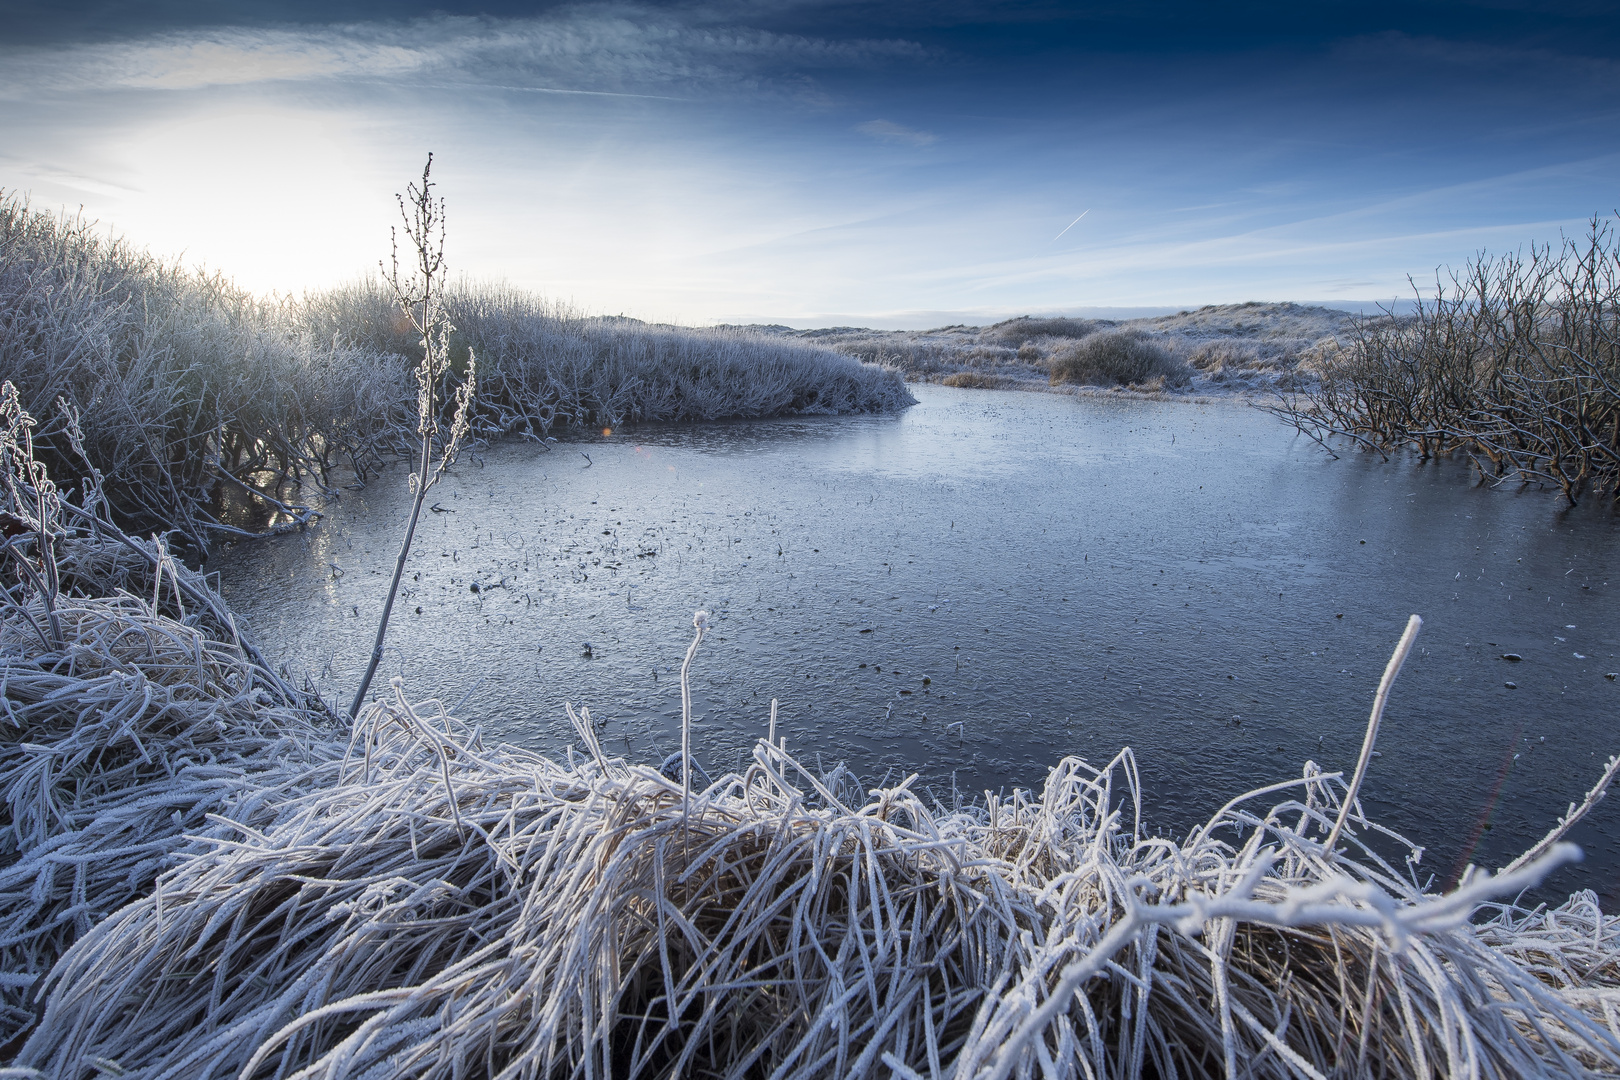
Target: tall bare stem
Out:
[420,296]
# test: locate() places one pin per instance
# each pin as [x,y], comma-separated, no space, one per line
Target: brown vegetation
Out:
[978,380]
[1117,358]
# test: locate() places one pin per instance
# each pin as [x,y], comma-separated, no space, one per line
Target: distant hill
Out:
[1226,348]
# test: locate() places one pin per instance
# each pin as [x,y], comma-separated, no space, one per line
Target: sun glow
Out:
[279,199]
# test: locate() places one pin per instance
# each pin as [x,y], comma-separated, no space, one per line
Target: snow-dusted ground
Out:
[1230,349]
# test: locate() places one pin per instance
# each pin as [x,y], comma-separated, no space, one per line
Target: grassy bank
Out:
[195,394]
[203,874]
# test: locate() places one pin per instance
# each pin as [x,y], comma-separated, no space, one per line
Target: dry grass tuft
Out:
[234,892]
[977,380]
[141,733]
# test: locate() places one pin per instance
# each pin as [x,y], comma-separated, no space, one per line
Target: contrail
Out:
[1069,226]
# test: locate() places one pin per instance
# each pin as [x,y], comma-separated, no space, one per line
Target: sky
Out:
[898,164]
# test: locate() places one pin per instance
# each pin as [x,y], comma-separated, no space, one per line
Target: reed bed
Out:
[206,878]
[542,364]
[213,412]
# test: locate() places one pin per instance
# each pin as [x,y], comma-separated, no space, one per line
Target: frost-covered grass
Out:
[1230,348]
[542,364]
[191,389]
[205,876]
[1118,358]
[204,873]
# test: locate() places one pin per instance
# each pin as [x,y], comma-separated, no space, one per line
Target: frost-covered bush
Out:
[1023,329]
[1117,357]
[211,410]
[187,386]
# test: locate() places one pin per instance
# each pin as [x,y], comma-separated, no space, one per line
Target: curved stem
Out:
[1392,669]
[1567,822]
[700,620]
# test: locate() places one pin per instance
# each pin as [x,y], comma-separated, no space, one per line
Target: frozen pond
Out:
[992,580]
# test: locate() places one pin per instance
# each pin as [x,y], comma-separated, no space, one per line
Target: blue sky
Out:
[814,163]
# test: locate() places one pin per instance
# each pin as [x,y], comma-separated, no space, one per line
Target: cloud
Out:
[79,182]
[890,132]
[614,48]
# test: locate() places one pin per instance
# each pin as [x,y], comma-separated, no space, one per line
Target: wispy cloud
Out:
[890,132]
[797,184]
[77,181]
[605,49]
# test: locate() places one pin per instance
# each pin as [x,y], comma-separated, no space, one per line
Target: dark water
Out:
[992,580]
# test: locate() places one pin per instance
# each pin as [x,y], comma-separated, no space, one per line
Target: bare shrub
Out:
[1515,362]
[544,365]
[1116,357]
[187,386]
[362,314]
